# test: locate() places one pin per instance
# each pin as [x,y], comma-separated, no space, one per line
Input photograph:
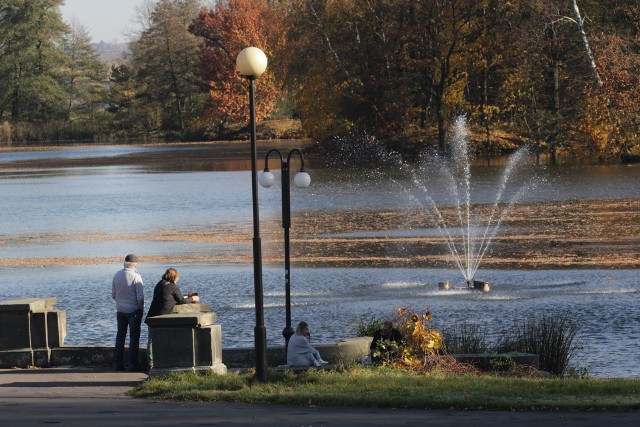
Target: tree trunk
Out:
[442,132]
[483,104]
[585,44]
[439,98]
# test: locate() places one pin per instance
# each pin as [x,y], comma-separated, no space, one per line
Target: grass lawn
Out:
[380,387]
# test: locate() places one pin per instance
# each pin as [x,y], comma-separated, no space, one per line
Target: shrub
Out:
[552,338]
[367,329]
[465,338]
[422,349]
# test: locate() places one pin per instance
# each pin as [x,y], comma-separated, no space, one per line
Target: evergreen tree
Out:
[31,88]
[84,75]
[169,91]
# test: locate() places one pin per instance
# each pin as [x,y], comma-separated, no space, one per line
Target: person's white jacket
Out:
[301,353]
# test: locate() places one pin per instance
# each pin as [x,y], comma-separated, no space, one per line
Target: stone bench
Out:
[346,350]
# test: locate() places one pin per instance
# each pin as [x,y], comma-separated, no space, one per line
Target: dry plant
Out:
[422,350]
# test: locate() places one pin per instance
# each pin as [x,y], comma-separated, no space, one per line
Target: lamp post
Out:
[251,63]
[301,179]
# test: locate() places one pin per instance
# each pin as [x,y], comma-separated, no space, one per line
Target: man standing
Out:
[128,294]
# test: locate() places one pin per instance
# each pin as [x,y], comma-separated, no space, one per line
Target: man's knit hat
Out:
[131,258]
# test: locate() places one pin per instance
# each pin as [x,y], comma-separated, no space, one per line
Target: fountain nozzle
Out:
[480,285]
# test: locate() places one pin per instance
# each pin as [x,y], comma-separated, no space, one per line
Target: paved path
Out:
[94,398]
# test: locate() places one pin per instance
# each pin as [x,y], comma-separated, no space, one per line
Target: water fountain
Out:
[469,231]
[441,193]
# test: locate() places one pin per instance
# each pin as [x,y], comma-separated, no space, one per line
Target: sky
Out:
[106,20]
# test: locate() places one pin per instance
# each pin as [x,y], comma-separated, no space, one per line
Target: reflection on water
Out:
[191,209]
[71,153]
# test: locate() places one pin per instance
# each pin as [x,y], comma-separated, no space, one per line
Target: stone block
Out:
[347,350]
[173,347]
[491,362]
[42,357]
[17,358]
[28,304]
[56,328]
[182,320]
[31,323]
[354,349]
[38,330]
[208,345]
[185,349]
[243,357]
[192,308]
[16,329]
[276,355]
[95,355]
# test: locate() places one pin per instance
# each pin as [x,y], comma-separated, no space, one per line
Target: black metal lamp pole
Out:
[288,331]
[259,332]
[251,63]
[286,225]
[302,180]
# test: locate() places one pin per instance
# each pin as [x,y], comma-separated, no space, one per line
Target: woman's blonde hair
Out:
[301,327]
[171,275]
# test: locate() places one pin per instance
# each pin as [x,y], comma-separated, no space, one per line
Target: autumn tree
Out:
[611,121]
[450,30]
[548,72]
[384,67]
[487,69]
[169,91]
[343,70]
[226,29]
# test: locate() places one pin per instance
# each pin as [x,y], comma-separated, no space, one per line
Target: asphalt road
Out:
[89,397]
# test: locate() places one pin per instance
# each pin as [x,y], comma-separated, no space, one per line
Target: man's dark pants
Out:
[131,321]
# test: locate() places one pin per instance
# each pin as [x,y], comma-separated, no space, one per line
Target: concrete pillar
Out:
[30,328]
[186,341]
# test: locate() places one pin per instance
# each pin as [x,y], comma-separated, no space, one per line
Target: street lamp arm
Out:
[266,158]
[302,178]
[299,153]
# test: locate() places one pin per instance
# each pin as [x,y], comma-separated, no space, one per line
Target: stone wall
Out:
[31,330]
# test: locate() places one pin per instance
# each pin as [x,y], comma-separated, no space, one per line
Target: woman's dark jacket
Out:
[165,296]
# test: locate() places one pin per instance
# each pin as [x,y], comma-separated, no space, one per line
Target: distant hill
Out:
[111,51]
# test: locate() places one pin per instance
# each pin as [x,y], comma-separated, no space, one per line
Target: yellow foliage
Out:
[598,125]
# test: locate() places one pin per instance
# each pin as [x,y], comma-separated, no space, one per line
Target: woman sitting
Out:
[300,352]
[167,295]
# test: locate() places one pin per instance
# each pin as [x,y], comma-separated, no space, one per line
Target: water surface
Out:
[152,207]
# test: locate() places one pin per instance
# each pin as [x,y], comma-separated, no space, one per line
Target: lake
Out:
[69,215]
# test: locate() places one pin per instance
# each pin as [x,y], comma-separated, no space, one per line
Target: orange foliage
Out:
[422,349]
[612,110]
[227,29]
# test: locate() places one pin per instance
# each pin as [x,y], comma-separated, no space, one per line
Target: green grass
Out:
[379,387]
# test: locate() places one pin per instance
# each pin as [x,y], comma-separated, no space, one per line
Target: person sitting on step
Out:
[300,352]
